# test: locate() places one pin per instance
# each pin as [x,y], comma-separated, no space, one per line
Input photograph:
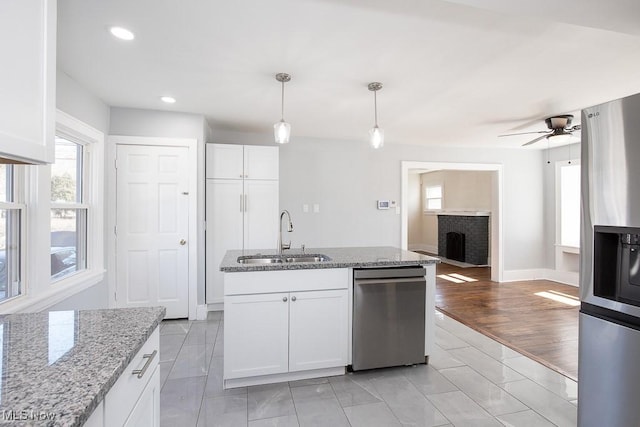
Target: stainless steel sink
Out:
[275,259]
[307,258]
[259,260]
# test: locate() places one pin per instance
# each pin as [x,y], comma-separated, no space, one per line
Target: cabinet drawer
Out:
[124,394]
[261,282]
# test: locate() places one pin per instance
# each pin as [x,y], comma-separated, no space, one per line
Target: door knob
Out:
[183,242]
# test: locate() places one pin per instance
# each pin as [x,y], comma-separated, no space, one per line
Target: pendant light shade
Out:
[376,135]
[282,129]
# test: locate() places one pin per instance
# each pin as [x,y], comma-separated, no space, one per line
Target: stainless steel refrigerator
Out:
[609,335]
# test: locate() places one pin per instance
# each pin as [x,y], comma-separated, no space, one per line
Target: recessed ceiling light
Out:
[122,33]
[168,99]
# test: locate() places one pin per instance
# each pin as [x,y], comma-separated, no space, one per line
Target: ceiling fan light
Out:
[376,137]
[560,138]
[282,132]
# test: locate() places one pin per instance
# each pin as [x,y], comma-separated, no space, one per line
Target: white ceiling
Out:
[452,73]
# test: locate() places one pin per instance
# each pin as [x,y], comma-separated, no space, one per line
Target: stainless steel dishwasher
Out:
[388,317]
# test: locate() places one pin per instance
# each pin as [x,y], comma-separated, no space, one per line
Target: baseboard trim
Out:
[422,247]
[218,306]
[566,277]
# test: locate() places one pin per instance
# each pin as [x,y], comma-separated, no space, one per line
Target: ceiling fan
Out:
[560,130]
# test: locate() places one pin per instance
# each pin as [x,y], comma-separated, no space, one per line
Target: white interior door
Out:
[152,214]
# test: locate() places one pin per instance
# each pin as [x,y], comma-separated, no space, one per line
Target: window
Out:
[433,198]
[569,204]
[11,214]
[68,211]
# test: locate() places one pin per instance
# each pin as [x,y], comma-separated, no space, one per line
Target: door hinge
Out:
[115,230]
[205,225]
[115,296]
[115,163]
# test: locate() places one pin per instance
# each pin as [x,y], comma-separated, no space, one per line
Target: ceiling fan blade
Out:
[524,133]
[535,140]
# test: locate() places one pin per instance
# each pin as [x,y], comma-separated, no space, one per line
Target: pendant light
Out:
[282,129]
[376,135]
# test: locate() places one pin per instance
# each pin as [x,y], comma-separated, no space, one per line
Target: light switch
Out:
[316,208]
[305,208]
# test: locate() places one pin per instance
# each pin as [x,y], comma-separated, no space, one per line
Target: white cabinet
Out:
[146,412]
[134,400]
[242,205]
[229,161]
[318,329]
[27,80]
[262,347]
[298,332]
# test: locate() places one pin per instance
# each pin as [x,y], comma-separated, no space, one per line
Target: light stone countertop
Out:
[359,257]
[58,366]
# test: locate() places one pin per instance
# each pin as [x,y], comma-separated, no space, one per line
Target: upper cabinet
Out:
[27,80]
[229,161]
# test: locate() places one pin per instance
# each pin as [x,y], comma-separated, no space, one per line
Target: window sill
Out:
[569,249]
[55,293]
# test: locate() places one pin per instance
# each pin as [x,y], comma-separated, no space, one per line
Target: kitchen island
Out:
[70,368]
[289,316]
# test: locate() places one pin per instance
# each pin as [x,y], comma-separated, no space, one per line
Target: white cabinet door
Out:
[146,412]
[130,394]
[261,162]
[224,216]
[28,79]
[261,214]
[256,335]
[225,161]
[318,329]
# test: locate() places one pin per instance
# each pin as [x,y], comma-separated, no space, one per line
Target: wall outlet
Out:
[305,208]
[316,208]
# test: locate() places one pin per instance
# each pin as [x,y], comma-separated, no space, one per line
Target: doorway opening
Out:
[429,192]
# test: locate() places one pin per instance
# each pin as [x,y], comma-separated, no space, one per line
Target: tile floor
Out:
[471,380]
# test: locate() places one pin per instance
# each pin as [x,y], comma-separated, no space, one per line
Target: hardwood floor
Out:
[543,329]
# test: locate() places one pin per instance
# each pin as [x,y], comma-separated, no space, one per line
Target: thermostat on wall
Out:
[386,204]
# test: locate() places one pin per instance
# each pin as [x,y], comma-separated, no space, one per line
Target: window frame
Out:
[84,181]
[38,291]
[17,204]
[426,198]
[558,207]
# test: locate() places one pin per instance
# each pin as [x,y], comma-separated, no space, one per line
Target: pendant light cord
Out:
[282,106]
[375,107]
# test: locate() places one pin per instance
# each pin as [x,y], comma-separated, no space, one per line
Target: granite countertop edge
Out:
[119,370]
[65,388]
[356,257]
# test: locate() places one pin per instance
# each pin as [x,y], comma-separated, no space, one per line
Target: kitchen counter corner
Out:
[58,366]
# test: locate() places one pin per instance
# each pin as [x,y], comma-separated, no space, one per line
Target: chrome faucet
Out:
[282,246]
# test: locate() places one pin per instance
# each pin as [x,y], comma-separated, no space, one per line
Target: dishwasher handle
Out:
[388,273]
[419,281]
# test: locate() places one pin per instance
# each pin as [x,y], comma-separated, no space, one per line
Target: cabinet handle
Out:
[149,357]
[293,298]
[241,206]
[241,176]
[246,205]
[284,299]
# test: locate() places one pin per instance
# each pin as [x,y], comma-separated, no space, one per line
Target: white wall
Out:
[347,177]
[167,124]
[78,102]
[414,224]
